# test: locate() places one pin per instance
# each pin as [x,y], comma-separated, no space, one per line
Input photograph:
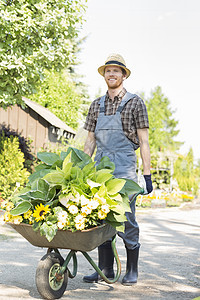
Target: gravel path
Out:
[169,265]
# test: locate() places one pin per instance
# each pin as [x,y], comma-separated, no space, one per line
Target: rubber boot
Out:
[106,261]
[131,267]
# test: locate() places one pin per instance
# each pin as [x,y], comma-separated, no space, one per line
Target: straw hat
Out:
[114,60]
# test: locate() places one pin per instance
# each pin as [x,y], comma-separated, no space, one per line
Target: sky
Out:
[160,42]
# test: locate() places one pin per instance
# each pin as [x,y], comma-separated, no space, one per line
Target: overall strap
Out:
[128,96]
[102,106]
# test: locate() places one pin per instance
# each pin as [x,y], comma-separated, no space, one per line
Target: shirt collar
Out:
[119,96]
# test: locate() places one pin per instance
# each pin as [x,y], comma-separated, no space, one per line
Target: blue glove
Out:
[149,186]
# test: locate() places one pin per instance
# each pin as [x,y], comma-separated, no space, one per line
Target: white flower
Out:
[60,224]
[80,226]
[86,210]
[2,221]
[79,219]
[64,201]
[62,216]
[84,200]
[100,199]
[17,184]
[101,215]
[73,209]
[105,208]
[93,204]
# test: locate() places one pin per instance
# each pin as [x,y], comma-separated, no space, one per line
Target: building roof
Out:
[48,116]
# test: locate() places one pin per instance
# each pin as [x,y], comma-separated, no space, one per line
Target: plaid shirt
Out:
[134,115]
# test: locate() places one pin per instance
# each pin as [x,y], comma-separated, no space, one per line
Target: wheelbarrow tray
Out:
[80,240]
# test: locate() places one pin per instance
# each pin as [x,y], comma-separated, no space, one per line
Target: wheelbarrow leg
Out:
[99,270]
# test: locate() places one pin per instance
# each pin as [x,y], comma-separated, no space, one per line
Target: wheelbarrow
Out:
[52,271]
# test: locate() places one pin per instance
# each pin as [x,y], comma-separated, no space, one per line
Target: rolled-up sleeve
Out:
[141,115]
[90,122]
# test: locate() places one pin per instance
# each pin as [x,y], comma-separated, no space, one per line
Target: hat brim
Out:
[102,69]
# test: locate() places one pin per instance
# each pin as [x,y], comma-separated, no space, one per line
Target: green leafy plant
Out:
[69,192]
[13,175]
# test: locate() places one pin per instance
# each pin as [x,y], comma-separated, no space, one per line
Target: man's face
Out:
[114,77]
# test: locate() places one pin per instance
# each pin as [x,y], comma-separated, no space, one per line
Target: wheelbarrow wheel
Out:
[49,285]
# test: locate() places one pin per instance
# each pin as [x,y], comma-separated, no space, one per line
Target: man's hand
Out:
[149,186]
[146,183]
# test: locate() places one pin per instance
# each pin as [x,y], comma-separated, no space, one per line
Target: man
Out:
[117,124]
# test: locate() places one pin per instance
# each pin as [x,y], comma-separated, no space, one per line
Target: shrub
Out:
[13,175]
[24,144]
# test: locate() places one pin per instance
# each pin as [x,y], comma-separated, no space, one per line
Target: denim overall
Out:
[112,142]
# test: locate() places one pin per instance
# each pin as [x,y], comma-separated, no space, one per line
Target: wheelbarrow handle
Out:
[141,192]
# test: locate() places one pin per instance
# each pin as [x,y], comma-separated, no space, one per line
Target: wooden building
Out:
[36,122]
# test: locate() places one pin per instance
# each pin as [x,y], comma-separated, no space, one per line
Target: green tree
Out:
[162,125]
[185,173]
[35,36]
[60,94]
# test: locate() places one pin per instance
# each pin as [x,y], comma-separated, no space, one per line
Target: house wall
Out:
[28,123]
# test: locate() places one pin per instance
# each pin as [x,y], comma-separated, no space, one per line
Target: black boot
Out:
[106,261]
[131,267]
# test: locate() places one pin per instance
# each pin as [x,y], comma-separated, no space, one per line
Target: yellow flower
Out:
[73,209]
[105,208]
[27,214]
[101,215]
[40,212]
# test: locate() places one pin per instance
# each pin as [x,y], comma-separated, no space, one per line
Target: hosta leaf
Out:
[115,185]
[42,185]
[92,184]
[24,196]
[117,197]
[21,208]
[130,187]
[116,217]
[117,225]
[76,172]
[67,166]
[48,157]
[78,156]
[102,191]
[39,174]
[49,230]
[37,195]
[51,194]
[106,163]
[119,209]
[64,154]
[103,176]
[88,169]
[56,177]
